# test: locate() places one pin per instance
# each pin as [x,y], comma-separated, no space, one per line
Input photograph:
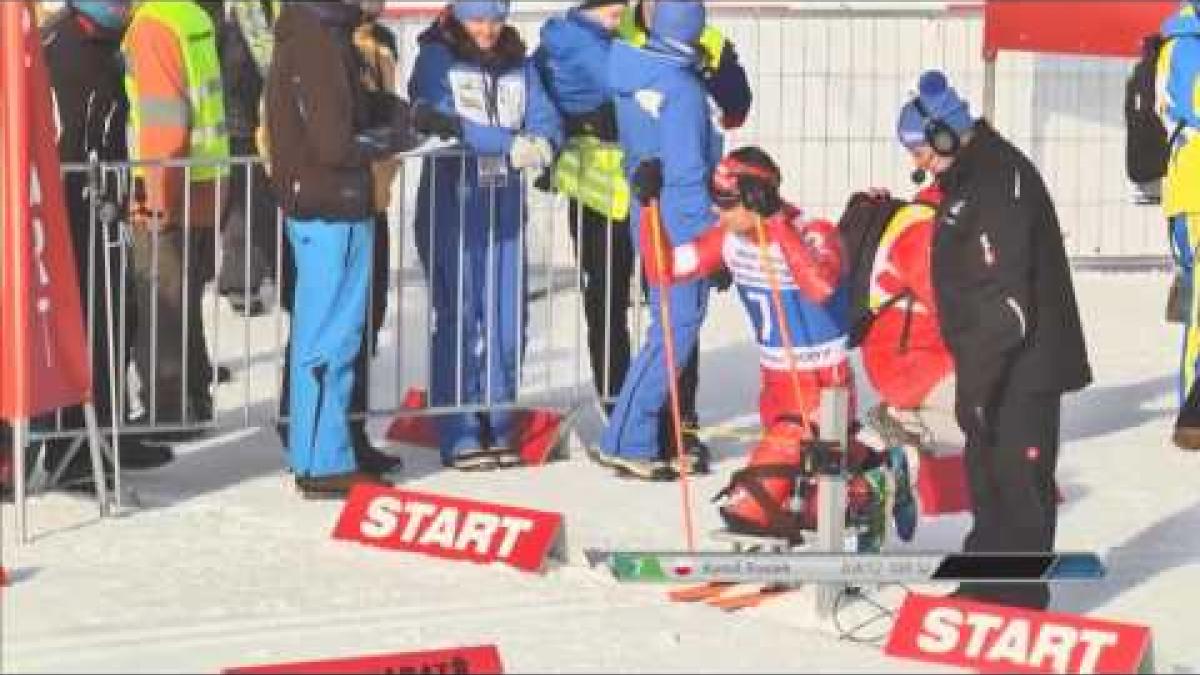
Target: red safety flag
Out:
[43,347]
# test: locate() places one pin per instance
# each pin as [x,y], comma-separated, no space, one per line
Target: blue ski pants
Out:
[333,282]
[632,430]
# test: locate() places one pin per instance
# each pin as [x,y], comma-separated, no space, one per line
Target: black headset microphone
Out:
[945,141]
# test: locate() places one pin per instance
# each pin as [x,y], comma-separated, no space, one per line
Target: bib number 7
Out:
[763,321]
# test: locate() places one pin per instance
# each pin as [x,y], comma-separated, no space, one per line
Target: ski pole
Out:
[785,331]
[664,306]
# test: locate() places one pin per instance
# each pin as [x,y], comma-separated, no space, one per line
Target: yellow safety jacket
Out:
[196,37]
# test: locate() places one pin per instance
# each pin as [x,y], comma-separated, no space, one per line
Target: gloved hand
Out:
[545,181]
[530,152]
[761,198]
[656,254]
[722,279]
[429,121]
[378,143]
[647,182]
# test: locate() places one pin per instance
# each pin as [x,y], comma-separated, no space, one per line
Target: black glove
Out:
[760,197]
[722,279]
[429,121]
[647,181]
[600,122]
[378,143]
[390,111]
[545,180]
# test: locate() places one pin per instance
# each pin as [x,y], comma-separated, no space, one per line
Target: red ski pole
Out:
[664,306]
[777,300]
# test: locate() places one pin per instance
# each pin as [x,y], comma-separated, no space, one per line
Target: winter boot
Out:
[758,498]
[866,506]
[904,504]
[338,486]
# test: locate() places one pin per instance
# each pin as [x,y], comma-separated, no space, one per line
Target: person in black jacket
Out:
[82,44]
[1010,319]
[249,230]
[322,147]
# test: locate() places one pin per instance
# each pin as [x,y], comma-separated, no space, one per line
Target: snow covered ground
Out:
[225,566]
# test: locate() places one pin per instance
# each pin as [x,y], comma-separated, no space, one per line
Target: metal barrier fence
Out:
[160,385]
[828,83]
[829,80]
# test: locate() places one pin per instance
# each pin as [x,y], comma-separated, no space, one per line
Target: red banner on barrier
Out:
[43,348]
[470,660]
[448,527]
[1110,28]
[995,639]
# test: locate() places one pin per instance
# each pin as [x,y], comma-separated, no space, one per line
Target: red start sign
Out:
[470,660]
[995,639]
[447,527]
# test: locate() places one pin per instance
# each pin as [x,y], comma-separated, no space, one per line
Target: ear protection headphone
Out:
[940,136]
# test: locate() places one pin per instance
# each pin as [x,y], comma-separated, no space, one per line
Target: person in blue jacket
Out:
[670,148]
[1178,84]
[572,57]
[473,81]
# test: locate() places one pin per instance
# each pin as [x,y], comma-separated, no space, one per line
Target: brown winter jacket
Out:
[316,106]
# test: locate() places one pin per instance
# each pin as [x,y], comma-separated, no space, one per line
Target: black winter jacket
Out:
[92,111]
[1001,276]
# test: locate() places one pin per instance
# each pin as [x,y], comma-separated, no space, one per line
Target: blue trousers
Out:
[476,277]
[633,426]
[333,281]
[1185,236]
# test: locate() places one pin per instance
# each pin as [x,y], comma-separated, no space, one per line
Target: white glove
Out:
[530,152]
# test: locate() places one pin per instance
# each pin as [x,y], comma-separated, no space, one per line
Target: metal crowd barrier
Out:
[551,368]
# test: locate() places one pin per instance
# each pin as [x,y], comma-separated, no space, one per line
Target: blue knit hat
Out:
[110,14]
[467,10]
[941,102]
[679,20]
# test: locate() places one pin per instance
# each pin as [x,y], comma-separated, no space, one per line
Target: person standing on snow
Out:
[177,112]
[82,44]
[670,146]
[473,81]
[573,60]
[1178,99]
[248,228]
[728,88]
[1008,315]
[322,148]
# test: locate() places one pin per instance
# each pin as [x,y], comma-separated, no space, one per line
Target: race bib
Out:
[488,101]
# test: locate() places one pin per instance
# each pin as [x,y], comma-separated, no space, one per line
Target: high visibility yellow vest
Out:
[209,137]
[591,171]
[1181,193]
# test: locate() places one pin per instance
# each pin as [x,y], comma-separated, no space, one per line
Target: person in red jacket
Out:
[802,333]
[903,354]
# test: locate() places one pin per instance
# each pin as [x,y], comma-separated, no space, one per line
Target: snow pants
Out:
[633,427]
[476,274]
[779,395]
[333,280]
[1185,237]
[1011,457]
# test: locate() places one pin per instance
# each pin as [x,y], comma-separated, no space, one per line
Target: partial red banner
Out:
[465,661]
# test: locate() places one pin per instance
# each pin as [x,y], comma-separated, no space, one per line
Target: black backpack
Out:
[861,228]
[1147,143]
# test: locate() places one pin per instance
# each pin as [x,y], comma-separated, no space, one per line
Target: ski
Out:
[749,599]
[699,593]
